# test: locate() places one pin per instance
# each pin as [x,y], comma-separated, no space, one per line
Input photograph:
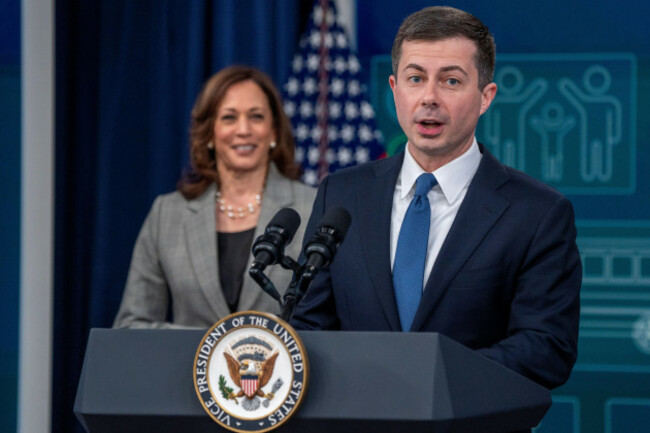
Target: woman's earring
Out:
[210,145]
[272,145]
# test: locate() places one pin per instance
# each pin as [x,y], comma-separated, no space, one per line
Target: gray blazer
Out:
[175,260]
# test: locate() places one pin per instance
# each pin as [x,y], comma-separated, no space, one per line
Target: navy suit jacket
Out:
[506,281]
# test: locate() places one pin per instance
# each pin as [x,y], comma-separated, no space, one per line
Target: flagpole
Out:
[323,90]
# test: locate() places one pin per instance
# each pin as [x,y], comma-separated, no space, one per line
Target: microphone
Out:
[321,248]
[319,251]
[268,248]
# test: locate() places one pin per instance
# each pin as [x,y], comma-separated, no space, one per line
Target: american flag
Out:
[249,384]
[333,121]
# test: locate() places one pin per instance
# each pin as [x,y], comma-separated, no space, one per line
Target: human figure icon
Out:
[552,125]
[505,122]
[600,123]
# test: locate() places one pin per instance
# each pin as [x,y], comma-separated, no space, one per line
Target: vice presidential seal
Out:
[250,372]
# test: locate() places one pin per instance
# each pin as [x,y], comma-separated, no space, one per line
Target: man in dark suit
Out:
[444,238]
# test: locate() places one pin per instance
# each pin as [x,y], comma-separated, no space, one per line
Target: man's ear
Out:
[391,81]
[487,96]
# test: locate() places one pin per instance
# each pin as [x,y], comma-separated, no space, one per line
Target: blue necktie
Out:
[411,253]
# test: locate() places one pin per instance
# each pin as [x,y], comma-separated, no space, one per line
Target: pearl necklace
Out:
[239,212]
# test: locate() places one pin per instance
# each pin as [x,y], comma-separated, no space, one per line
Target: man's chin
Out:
[429,145]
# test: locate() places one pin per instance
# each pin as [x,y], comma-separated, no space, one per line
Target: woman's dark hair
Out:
[203,170]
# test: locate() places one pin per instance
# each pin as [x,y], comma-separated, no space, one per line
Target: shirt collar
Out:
[452,177]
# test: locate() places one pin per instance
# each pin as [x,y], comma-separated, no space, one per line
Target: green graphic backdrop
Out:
[571,121]
[572,110]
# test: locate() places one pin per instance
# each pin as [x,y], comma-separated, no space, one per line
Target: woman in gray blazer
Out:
[190,262]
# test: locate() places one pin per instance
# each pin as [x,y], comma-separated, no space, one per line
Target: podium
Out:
[142,380]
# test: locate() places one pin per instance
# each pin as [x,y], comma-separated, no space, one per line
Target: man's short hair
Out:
[436,23]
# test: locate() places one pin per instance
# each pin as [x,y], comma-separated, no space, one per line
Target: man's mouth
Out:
[430,127]
[430,124]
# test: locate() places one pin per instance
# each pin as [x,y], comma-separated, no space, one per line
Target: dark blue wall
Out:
[9,208]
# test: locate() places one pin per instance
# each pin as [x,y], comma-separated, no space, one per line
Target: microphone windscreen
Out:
[288,219]
[337,218]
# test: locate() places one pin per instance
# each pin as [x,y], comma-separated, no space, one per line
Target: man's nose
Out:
[430,96]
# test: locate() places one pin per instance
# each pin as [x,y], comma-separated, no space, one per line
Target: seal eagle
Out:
[247,371]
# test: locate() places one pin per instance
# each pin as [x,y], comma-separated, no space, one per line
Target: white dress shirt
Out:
[445,198]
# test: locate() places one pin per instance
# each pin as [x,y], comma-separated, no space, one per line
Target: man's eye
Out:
[415,79]
[453,81]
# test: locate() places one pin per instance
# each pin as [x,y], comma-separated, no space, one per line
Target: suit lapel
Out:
[374,205]
[202,250]
[479,211]
[278,193]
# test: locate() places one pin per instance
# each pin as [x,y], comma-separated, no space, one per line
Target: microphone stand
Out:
[299,283]
[296,287]
[256,272]
[302,278]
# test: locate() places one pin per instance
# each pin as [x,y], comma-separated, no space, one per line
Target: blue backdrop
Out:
[571,108]
[9,208]
[127,75]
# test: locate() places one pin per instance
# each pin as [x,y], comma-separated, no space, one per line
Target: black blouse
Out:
[234,257]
